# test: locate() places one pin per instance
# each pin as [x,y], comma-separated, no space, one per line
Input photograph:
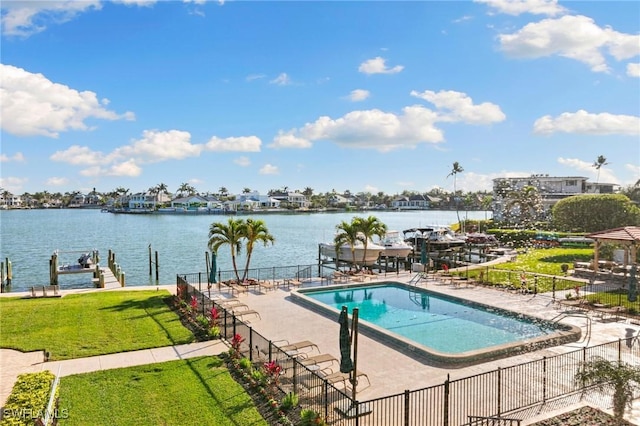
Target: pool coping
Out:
[565,333]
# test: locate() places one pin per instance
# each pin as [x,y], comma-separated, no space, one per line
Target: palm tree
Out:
[231,233]
[368,228]
[185,188]
[348,233]
[600,161]
[254,230]
[616,375]
[457,168]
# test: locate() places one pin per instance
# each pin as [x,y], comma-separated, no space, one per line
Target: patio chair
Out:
[267,285]
[316,360]
[335,378]
[243,312]
[296,348]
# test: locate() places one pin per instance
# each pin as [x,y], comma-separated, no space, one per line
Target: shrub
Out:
[289,401]
[28,398]
[309,417]
[214,332]
[245,363]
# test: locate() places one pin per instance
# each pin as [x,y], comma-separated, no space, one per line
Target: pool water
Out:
[442,324]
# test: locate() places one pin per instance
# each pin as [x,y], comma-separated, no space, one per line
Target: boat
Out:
[358,256]
[394,245]
[480,239]
[436,238]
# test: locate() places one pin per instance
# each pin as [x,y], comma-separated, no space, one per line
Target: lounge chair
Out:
[315,360]
[335,378]
[267,285]
[295,283]
[243,312]
[297,347]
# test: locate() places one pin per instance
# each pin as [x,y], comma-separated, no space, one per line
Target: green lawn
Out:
[82,325]
[548,261]
[198,391]
[534,261]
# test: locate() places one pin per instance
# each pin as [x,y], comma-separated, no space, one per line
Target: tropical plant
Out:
[236,341]
[348,234]
[600,161]
[309,417]
[273,371]
[245,363]
[232,234]
[605,375]
[289,401]
[254,230]
[455,169]
[369,227]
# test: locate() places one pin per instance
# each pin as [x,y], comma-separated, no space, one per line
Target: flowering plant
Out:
[236,341]
[273,370]
[215,316]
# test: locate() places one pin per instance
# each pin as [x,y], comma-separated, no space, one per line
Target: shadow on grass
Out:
[567,258]
[236,409]
[154,307]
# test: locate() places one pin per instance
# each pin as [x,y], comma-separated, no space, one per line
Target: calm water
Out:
[29,238]
[430,319]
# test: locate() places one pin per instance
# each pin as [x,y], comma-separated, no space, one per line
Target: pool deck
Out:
[391,371]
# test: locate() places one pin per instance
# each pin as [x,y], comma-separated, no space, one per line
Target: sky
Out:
[365,96]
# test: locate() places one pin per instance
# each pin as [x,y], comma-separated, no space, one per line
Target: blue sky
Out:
[365,96]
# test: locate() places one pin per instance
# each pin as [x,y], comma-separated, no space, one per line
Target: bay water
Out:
[28,238]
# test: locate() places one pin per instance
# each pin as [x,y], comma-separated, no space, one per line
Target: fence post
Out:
[499,391]
[553,283]
[445,408]
[326,399]
[251,344]
[406,407]
[544,378]
[619,350]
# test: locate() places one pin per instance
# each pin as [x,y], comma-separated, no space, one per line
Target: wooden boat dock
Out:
[108,277]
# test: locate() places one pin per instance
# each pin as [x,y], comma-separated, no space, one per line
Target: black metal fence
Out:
[499,397]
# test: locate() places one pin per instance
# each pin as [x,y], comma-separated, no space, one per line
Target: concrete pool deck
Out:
[389,371]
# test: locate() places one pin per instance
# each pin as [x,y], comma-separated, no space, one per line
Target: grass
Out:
[82,325]
[197,391]
[535,261]
[548,261]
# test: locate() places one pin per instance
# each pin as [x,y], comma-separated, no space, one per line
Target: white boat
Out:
[436,238]
[394,245]
[358,255]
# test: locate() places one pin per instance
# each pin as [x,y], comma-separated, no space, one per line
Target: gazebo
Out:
[628,237]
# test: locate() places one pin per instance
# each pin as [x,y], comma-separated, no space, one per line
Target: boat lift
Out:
[88,261]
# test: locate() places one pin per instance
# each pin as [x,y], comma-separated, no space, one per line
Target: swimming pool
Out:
[438,327]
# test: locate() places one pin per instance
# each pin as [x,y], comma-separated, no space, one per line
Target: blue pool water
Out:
[447,325]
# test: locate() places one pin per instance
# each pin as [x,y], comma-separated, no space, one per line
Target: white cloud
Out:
[252,77]
[17,157]
[242,161]
[127,168]
[33,105]
[377,65]
[57,181]
[24,18]
[462,107]
[386,131]
[373,129]
[156,146]
[518,7]
[633,70]
[281,80]
[234,144]
[142,3]
[79,155]
[358,95]
[372,189]
[289,140]
[269,169]
[13,184]
[575,37]
[584,122]
[586,167]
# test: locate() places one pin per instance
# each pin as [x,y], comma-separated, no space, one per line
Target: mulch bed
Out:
[584,416]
